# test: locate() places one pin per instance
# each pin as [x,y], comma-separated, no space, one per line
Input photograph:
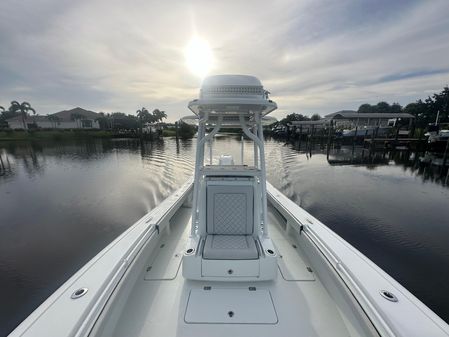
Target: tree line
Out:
[119,120]
[299,117]
[426,111]
[106,121]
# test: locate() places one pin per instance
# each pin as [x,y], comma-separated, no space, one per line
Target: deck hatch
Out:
[230,306]
[291,265]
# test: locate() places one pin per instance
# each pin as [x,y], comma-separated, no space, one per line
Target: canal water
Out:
[62,202]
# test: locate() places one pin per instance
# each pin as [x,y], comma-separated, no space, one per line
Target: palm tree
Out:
[77,117]
[23,110]
[2,117]
[54,120]
[159,115]
[144,117]
[143,114]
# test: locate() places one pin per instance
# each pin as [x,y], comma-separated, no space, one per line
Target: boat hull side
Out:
[362,277]
[60,315]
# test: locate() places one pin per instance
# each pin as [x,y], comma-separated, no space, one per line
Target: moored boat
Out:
[229,254]
[437,137]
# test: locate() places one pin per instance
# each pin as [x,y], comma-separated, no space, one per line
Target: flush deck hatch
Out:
[230,306]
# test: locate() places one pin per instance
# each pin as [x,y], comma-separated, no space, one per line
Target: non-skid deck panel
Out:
[230,306]
[166,262]
[158,308]
[291,265]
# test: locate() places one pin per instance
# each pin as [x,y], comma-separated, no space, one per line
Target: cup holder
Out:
[270,252]
[190,251]
[79,293]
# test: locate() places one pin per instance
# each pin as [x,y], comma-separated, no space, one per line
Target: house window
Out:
[86,123]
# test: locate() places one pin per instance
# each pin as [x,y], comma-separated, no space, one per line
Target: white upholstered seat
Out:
[230,223]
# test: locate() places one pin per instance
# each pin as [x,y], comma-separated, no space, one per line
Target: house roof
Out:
[351,114]
[66,115]
[342,112]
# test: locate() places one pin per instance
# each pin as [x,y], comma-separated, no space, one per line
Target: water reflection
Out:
[357,156]
[6,170]
[62,202]
[418,163]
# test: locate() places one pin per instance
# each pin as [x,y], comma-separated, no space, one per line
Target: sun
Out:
[198,57]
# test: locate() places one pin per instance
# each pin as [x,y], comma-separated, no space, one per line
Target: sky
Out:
[314,56]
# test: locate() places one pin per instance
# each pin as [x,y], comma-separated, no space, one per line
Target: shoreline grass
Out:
[14,135]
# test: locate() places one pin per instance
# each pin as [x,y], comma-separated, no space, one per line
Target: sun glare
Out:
[198,57]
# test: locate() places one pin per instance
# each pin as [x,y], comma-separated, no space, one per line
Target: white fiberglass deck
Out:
[163,303]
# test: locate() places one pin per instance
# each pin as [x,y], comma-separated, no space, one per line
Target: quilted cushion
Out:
[230,247]
[230,210]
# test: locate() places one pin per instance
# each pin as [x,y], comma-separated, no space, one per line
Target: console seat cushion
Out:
[230,247]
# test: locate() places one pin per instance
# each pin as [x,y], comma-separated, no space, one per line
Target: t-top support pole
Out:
[259,141]
[202,139]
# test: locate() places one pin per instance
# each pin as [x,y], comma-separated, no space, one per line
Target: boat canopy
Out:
[228,98]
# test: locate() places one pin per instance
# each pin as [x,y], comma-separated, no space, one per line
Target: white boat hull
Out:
[325,287]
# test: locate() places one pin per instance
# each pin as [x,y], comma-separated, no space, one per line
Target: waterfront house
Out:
[76,118]
[350,118]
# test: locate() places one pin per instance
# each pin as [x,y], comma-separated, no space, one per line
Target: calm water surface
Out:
[61,203]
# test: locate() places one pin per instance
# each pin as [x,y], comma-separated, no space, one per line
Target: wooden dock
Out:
[413,144]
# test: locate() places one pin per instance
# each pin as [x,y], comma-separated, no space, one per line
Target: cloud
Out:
[314,56]
[412,74]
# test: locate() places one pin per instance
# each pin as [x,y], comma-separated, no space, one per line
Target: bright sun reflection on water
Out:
[198,56]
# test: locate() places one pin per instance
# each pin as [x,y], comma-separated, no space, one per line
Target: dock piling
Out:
[1,163]
[354,140]
[446,150]
[329,139]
